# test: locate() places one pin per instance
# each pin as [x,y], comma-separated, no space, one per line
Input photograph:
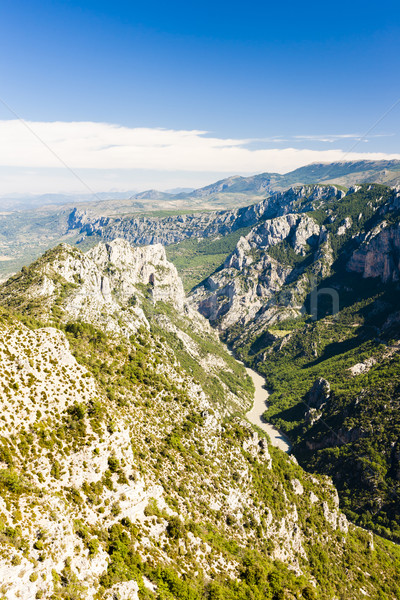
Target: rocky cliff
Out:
[379,254]
[249,286]
[173,229]
[270,273]
[311,297]
[101,287]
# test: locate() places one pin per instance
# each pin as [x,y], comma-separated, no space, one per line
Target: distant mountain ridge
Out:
[344,173]
[176,228]
[151,195]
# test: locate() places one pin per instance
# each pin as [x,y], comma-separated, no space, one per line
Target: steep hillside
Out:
[333,381]
[118,288]
[124,476]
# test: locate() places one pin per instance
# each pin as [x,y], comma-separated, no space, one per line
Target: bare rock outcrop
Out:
[253,283]
[379,254]
[319,393]
[105,287]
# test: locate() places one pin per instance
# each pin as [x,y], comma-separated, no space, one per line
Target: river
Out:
[255,415]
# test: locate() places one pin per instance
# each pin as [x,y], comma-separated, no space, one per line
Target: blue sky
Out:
[310,77]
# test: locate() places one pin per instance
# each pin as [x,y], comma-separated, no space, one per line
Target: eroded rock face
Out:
[316,399]
[234,295]
[344,226]
[301,228]
[104,287]
[170,230]
[319,393]
[111,275]
[127,267]
[379,254]
[253,284]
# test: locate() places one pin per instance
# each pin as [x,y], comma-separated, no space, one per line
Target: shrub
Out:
[113,464]
[13,482]
[93,546]
[175,528]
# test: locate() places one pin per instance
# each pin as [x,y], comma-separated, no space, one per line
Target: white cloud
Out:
[338,137]
[329,137]
[108,147]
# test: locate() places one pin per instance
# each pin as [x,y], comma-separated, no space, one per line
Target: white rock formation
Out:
[249,284]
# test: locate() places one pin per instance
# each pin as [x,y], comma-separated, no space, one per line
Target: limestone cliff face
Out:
[258,286]
[253,284]
[379,254]
[104,287]
[170,230]
[271,271]
[271,232]
[126,267]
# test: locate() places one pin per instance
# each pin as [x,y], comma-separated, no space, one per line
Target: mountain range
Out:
[254,272]
[343,173]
